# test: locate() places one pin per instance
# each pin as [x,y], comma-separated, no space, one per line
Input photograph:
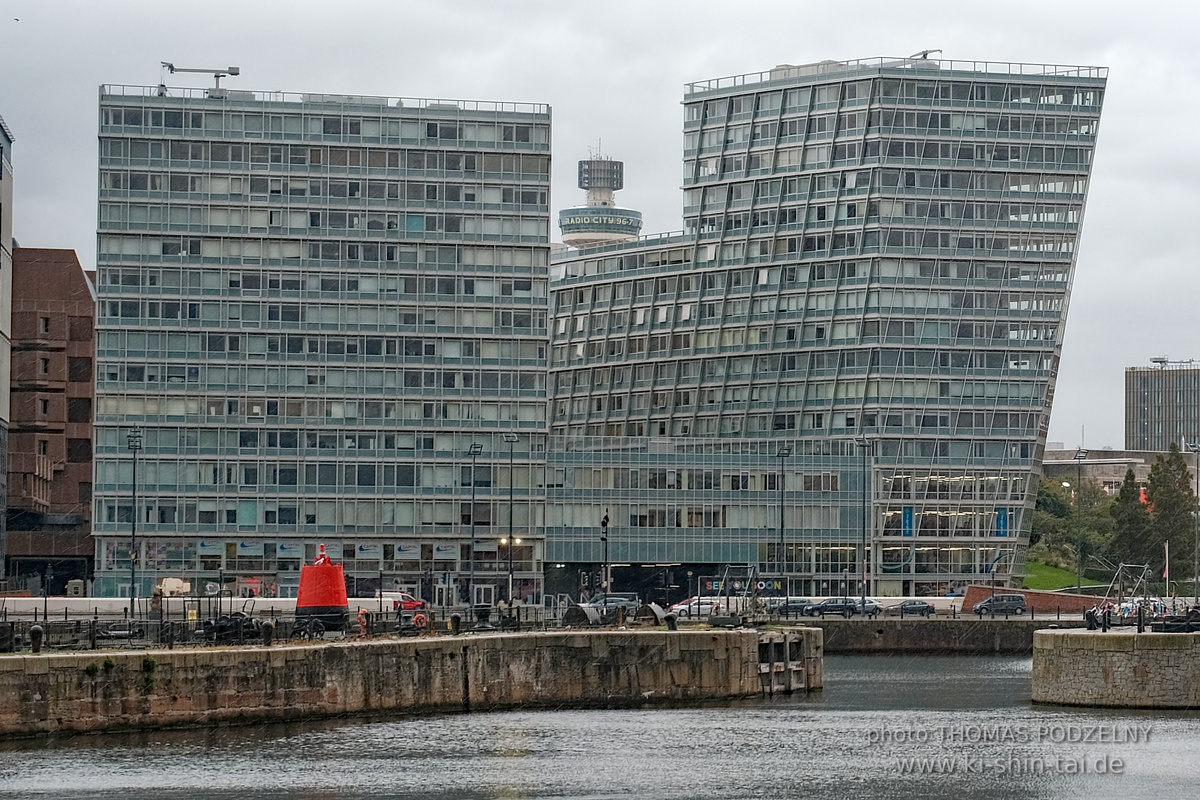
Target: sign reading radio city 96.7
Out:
[600,219]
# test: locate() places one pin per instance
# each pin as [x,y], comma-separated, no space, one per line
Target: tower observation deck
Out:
[600,221]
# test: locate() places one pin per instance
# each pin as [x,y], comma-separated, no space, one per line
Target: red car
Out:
[403,601]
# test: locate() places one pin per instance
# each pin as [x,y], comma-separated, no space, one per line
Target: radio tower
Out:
[601,221]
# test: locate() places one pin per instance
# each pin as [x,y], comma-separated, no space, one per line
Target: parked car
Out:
[910,608]
[788,606]
[837,606]
[403,601]
[697,607]
[1001,604]
[607,602]
[871,609]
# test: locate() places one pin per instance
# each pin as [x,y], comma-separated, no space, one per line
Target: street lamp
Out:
[1194,448]
[785,451]
[1079,456]
[135,445]
[604,541]
[864,446]
[511,438]
[474,451]
[511,543]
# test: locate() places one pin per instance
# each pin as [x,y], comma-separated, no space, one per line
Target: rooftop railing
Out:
[932,65]
[425,103]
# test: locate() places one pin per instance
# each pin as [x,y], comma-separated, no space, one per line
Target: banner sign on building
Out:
[289,550]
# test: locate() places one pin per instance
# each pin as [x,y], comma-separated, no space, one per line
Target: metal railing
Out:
[344,100]
[793,71]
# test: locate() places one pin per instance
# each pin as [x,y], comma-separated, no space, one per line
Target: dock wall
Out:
[1119,669]
[967,635]
[112,690]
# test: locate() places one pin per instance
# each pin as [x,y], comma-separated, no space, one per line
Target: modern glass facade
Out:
[314,306]
[873,279]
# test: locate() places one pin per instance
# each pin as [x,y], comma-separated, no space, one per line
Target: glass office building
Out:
[312,307]
[864,311]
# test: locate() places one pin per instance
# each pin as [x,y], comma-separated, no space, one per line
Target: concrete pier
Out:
[113,690]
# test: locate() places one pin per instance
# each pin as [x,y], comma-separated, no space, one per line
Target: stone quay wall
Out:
[967,635]
[146,689]
[1120,669]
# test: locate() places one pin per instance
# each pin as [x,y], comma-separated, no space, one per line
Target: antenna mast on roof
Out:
[924,54]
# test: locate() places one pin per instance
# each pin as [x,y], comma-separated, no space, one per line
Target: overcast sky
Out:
[614,72]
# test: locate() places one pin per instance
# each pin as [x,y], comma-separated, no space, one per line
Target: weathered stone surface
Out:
[150,689]
[963,635]
[1120,669]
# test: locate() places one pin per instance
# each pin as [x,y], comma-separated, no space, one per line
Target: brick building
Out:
[50,441]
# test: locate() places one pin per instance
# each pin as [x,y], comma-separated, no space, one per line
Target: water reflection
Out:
[855,739]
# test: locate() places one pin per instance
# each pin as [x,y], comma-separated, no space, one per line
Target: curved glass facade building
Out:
[865,311]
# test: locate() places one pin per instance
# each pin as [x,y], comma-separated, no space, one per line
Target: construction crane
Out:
[216,73]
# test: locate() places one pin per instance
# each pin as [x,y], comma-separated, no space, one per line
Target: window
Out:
[79,451]
[43,447]
[44,325]
[44,366]
[79,409]
[79,369]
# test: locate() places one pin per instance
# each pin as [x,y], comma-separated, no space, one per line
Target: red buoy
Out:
[323,593]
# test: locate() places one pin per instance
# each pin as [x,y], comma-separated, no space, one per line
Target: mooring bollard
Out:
[36,635]
[268,633]
[455,624]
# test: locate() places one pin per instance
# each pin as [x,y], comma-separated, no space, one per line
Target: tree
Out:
[1170,493]
[1059,536]
[1051,515]
[1131,518]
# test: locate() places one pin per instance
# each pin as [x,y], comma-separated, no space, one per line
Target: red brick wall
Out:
[1040,602]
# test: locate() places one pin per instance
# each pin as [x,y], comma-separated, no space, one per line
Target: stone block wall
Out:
[967,635]
[106,690]
[1121,669]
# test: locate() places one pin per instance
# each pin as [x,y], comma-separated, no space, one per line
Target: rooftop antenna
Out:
[924,54]
[216,73]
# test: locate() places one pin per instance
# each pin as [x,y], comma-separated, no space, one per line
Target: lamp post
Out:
[1079,456]
[511,438]
[510,543]
[785,451]
[604,541]
[474,451]
[1194,448]
[864,446]
[135,445]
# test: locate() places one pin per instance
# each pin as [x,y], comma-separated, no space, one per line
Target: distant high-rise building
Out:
[1162,405]
[50,439]
[6,253]
[314,308]
[857,335]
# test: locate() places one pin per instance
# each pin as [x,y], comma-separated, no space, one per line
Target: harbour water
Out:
[884,726]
